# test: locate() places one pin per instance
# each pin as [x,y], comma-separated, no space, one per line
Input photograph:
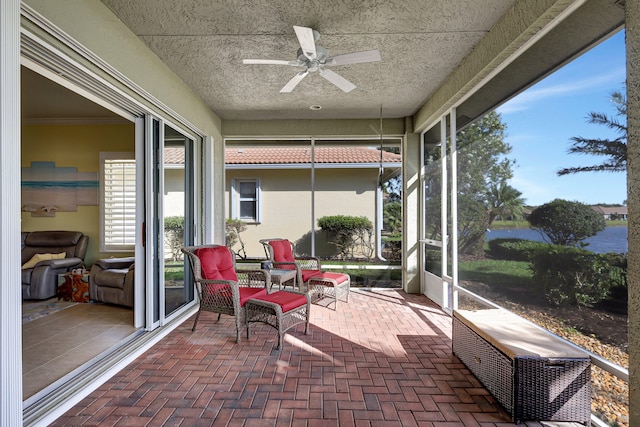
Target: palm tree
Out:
[615,151]
[504,200]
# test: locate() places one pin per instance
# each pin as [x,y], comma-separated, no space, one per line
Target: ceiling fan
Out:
[315,57]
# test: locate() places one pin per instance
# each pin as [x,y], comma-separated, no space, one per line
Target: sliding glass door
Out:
[178,215]
[171,217]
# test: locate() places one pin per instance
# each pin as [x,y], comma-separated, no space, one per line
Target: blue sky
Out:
[541,121]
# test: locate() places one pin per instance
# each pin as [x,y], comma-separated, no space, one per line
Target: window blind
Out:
[119,204]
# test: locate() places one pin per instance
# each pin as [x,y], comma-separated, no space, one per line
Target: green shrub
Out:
[174,223]
[350,234]
[392,218]
[514,249]
[574,276]
[566,223]
[619,287]
[174,235]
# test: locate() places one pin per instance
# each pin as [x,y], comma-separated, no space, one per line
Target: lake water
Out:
[611,239]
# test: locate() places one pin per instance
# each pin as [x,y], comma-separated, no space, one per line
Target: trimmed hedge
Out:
[574,276]
[174,235]
[350,234]
[515,249]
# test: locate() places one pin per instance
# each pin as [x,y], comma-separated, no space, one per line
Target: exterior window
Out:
[246,200]
[117,202]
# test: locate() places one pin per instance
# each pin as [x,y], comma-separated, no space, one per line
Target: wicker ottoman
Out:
[281,310]
[330,285]
[533,374]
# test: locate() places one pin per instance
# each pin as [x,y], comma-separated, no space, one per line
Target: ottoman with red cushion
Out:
[281,310]
[329,285]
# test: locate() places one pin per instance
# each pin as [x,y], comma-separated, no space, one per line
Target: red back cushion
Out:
[282,251]
[217,263]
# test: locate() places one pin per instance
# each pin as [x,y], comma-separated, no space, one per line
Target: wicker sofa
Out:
[45,254]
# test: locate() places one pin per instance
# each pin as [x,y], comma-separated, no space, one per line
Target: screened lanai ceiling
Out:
[205,41]
[421,43]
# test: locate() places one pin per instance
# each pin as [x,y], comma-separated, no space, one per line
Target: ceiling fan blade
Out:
[271,62]
[294,82]
[337,80]
[355,58]
[307,41]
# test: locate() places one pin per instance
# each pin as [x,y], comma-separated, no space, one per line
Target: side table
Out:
[73,287]
[280,277]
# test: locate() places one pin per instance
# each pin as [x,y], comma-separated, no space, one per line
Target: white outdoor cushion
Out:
[515,336]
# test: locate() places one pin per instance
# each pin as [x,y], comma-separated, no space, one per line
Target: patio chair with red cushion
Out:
[221,289]
[280,254]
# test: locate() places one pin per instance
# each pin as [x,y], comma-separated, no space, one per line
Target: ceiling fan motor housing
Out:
[312,64]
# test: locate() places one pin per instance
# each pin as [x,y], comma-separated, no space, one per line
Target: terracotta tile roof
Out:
[174,156]
[291,155]
[294,155]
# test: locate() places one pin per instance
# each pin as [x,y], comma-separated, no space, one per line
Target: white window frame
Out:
[236,199]
[128,226]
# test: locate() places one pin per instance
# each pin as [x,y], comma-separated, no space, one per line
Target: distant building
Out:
[612,212]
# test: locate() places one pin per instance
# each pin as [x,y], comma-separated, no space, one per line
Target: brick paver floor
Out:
[382,360]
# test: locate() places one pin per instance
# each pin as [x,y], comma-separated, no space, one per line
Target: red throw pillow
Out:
[217,263]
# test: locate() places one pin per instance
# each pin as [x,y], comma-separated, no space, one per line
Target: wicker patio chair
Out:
[221,289]
[280,254]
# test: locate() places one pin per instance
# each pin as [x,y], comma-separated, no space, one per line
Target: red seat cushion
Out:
[287,300]
[308,274]
[216,263]
[247,293]
[338,277]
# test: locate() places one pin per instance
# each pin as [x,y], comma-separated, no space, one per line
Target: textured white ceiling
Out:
[204,42]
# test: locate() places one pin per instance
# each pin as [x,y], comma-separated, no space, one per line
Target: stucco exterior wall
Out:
[287,203]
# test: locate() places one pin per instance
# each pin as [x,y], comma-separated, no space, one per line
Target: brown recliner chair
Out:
[41,280]
[111,281]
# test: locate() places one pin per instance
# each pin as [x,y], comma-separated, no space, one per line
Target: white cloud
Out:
[534,95]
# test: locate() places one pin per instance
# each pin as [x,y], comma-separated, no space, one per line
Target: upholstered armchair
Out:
[45,254]
[111,280]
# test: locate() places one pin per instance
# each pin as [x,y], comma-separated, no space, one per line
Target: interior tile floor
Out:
[382,360]
[55,345]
